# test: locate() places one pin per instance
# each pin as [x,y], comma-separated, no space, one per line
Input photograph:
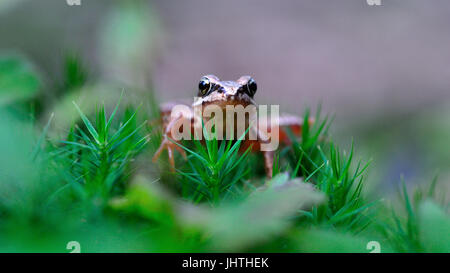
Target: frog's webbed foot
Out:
[170,146]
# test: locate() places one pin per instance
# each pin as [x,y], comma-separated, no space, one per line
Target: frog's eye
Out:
[251,87]
[204,86]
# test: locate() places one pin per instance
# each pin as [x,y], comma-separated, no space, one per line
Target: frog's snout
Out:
[228,91]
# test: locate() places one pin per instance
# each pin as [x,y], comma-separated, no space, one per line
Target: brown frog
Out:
[213,91]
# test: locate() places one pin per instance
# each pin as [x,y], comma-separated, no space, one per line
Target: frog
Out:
[219,93]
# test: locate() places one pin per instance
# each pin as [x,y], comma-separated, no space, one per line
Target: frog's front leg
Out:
[171,119]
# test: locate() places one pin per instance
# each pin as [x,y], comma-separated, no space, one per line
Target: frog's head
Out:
[211,90]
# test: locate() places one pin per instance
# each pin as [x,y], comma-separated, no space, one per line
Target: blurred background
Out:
[382,71]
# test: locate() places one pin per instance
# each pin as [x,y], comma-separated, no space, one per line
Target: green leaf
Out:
[37,147]
[327,241]
[18,80]
[434,226]
[88,124]
[237,225]
[146,199]
[75,73]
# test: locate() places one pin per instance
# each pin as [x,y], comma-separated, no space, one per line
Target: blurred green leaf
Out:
[434,227]
[237,225]
[329,241]
[18,79]
[128,41]
[75,72]
[146,199]
[17,171]
[87,97]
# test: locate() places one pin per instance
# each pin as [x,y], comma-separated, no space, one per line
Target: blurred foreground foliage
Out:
[84,174]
